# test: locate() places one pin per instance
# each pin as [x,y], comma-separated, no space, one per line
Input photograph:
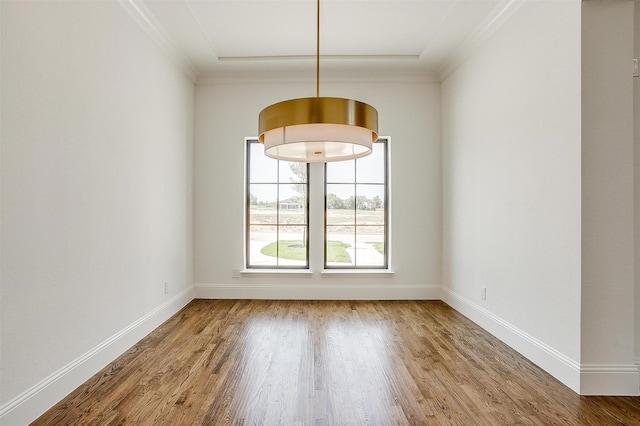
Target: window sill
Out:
[325,273]
[276,273]
[357,273]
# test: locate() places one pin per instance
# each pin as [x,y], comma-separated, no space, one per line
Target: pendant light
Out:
[319,129]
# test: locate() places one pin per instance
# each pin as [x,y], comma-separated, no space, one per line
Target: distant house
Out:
[291,203]
[287,205]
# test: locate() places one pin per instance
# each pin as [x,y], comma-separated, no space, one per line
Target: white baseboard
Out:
[618,380]
[32,403]
[326,291]
[555,363]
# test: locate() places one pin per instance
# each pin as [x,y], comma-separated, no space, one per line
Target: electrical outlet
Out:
[166,288]
[235,273]
[483,293]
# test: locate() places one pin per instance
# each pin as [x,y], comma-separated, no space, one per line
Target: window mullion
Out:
[316,216]
[278,213]
[355,217]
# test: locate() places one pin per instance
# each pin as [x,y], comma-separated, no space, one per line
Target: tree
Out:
[363,203]
[350,203]
[253,200]
[334,202]
[360,202]
[299,171]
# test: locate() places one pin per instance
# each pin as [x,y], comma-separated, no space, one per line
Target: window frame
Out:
[247,217]
[385,266]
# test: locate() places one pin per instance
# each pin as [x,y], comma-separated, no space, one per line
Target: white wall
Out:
[636,133]
[227,112]
[96,170]
[607,331]
[511,186]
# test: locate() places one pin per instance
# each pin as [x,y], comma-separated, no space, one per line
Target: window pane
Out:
[264,193]
[370,246]
[370,205]
[339,245]
[292,193]
[340,217]
[340,204]
[370,169]
[293,172]
[344,192]
[260,237]
[262,168]
[291,247]
[262,203]
[341,172]
[292,212]
[260,215]
[370,217]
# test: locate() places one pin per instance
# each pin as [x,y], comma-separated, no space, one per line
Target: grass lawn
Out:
[336,252]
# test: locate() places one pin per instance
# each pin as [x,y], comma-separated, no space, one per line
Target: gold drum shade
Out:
[319,129]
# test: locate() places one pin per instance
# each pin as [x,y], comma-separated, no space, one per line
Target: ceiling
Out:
[228,36]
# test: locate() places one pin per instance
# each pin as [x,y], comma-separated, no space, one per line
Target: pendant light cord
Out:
[318,50]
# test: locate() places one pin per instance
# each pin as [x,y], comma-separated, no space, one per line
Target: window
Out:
[277,209]
[354,195]
[356,212]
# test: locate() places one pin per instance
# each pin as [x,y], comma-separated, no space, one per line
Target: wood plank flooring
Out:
[250,362]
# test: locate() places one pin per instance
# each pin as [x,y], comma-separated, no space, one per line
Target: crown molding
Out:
[144,18]
[498,16]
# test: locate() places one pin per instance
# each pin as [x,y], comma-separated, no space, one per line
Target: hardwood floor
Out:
[250,362]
